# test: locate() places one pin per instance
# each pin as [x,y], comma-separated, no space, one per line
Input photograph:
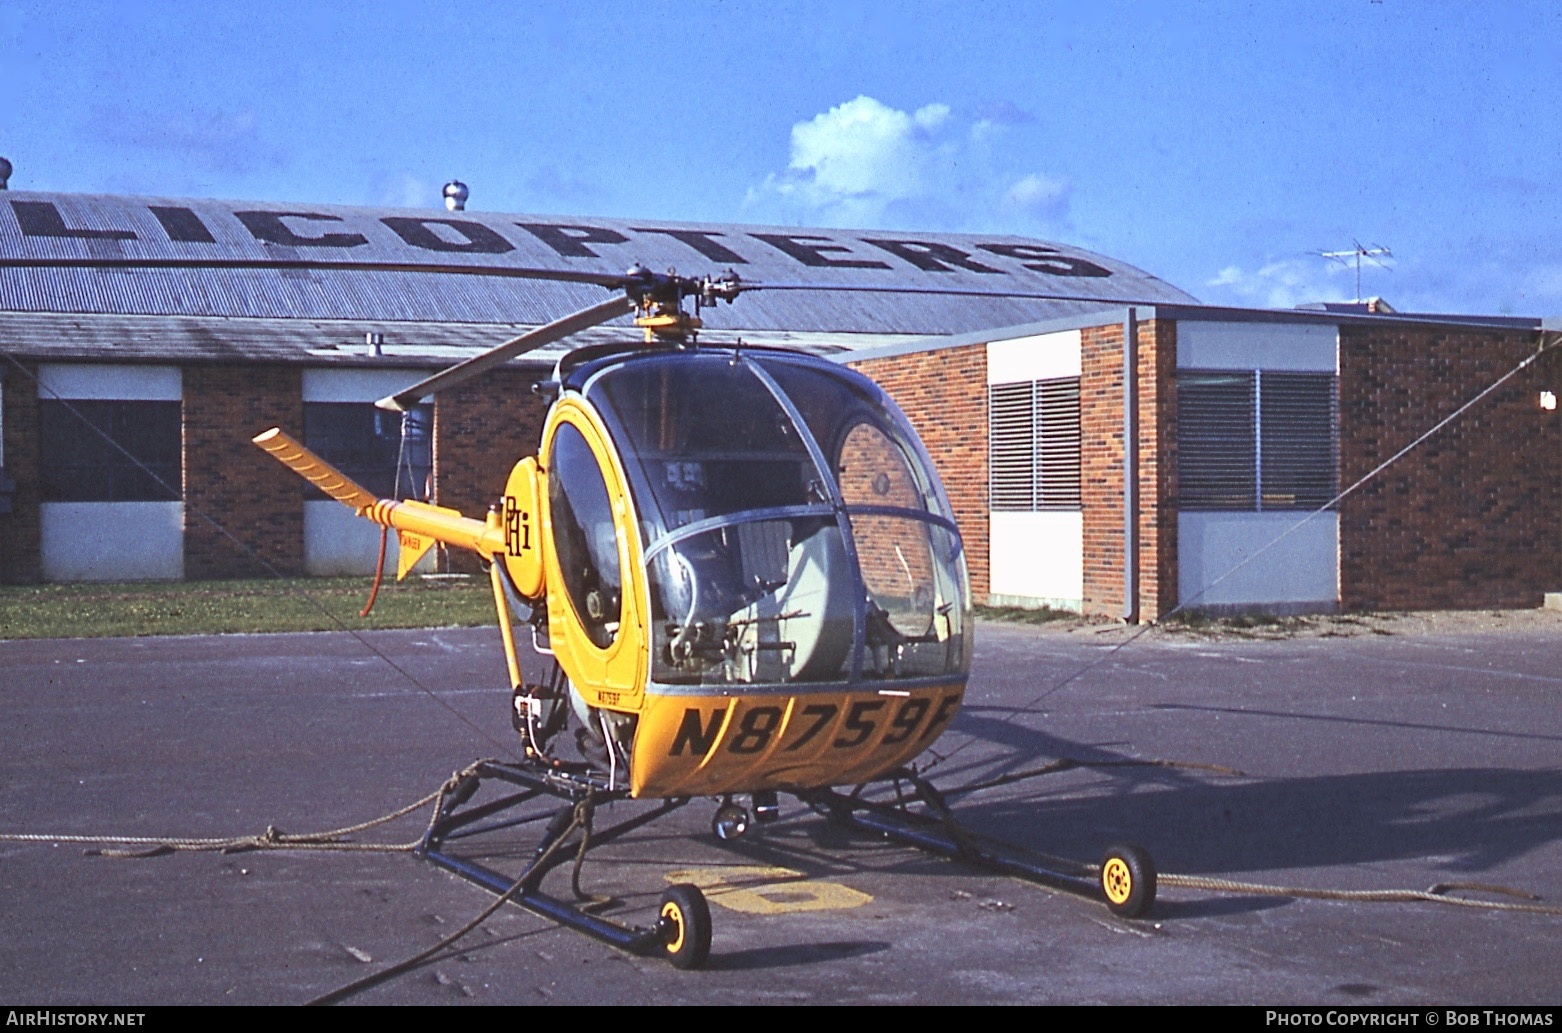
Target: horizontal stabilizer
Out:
[411,548]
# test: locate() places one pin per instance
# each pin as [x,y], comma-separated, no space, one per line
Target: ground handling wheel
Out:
[684,924]
[1128,881]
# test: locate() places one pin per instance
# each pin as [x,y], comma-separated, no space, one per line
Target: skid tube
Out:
[582,794]
[936,830]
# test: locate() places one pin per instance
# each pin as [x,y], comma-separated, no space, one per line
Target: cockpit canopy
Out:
[792,525]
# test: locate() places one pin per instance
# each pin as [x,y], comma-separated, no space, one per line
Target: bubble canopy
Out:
[792,526]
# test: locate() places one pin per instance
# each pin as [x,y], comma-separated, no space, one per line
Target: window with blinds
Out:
[366,443]
[1256,441]
[1033,445]
[110,451]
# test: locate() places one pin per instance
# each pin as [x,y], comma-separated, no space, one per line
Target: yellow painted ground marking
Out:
[761,890]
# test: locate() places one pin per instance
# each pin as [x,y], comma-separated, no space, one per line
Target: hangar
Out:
[1111,446]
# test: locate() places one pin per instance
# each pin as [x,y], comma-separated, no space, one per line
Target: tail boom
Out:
[418,525]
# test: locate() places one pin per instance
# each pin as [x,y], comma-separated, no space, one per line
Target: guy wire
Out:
[1029,707]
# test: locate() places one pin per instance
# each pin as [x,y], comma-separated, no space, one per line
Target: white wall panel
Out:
[340,543]
[1040,357]
[357,385]
[1303,567]
[337,542]
[115,383]
[1038,558]
[112,541]
[1301,347]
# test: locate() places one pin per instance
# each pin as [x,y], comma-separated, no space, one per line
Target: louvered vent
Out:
[1034,445]
[1057,443]
[1011,436]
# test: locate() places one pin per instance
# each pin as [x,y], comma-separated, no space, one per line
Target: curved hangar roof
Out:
[98,254]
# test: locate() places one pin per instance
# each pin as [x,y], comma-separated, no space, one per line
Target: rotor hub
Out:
[659,299]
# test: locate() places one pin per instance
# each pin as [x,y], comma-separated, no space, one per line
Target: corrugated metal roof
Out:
[61,337]
[76,253]
[1302,315]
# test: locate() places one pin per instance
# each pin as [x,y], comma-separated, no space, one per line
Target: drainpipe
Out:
[1550,325]
[1130,469]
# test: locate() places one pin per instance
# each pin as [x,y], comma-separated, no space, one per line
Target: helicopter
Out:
[747,578]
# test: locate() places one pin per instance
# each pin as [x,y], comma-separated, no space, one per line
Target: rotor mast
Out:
[659,301]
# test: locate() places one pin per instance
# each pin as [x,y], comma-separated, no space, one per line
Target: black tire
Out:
[684,918]
[1128,881]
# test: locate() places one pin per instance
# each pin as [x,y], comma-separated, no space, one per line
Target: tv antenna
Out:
[1359,252]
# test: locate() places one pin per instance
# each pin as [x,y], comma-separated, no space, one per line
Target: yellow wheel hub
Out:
[674,914]
[1117,880]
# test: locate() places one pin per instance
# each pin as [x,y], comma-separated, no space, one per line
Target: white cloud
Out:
[860,155]
[864,163]
[1038,194]
[1283,284]
[931,116]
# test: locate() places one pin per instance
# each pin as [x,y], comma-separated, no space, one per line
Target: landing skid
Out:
[917,817]
[682,928]
[1124,880]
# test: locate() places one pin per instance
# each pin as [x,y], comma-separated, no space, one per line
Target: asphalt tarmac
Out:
[1377,762]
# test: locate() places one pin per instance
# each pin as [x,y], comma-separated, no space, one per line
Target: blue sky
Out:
[1220,146]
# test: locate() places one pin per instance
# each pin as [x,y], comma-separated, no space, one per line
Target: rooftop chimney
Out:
[456,194]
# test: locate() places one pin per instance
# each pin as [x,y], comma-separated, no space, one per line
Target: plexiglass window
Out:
[583,535]
[707,439]
[915,596]
[749,517]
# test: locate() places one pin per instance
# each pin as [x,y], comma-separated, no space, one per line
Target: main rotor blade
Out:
[972,292]
[610,280]
[460,373]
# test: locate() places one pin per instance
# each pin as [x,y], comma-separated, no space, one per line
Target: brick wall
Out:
[250,495]
[481,428]
[1472,517]
[1101,466]
[944,395]
[20,545]
[1156,369]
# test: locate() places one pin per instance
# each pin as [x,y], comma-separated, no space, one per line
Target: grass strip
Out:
[123,609]
[129,609]
[1024,615]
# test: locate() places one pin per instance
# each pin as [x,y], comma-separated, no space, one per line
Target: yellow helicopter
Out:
[748,576]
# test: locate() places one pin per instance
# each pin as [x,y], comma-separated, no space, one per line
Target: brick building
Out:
[174,330]
[1242,428]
